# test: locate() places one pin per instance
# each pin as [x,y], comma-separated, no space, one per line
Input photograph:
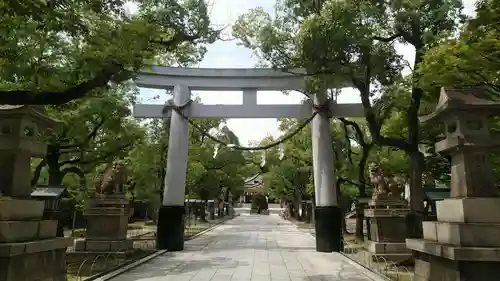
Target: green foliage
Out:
[91,132]
[213,169]
[471,59]
[259,201]
[56,51]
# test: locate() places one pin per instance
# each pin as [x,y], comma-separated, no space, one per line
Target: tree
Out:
[353,131]
[57,51]
[104,131]
[351,43]
[471,59]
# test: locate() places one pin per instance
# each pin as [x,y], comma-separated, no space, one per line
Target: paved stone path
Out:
[250,248]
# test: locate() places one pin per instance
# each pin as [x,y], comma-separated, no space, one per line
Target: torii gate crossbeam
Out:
[170,233]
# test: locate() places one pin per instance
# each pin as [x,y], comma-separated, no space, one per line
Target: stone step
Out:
[396,258]
[462,234]
[23,231]
[16,249]
[386,247]
[457,253]
[21,209]
[386,212]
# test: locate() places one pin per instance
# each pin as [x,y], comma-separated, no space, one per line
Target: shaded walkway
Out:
[250,248]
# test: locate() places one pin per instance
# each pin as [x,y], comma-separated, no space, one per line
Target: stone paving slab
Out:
[250,248]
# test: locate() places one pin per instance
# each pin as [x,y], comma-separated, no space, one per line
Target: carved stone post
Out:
[463,244]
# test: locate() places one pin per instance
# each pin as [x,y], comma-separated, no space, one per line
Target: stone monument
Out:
[385,217]
[464,243]
[29,248]
[107,214]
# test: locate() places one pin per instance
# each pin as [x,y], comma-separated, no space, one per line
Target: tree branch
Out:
[38,170]
[341,179]
[373,122]
[359,134]
[18,97]
[89,137]
[95,160]
[387,39]
[74,170]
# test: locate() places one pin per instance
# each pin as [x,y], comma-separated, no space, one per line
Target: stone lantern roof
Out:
[20,128]
[472,99]
[38,112]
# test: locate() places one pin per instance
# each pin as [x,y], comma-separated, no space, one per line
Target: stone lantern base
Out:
[463,244]
[107,222]
[29,249]
[386,228]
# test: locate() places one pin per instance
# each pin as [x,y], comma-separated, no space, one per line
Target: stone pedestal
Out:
[29,249]
[463,244]
[386,228]
[107,222]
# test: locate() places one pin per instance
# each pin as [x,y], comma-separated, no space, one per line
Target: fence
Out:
[82,266]
[389,269]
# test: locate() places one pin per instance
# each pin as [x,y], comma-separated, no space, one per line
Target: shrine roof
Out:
[48,192]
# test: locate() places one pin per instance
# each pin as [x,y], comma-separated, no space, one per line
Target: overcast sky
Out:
[229,55]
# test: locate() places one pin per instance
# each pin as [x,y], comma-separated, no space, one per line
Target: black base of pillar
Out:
[170,232]
[328,225]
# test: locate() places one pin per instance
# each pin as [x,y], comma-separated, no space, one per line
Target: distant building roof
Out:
[254,181]
[48,191]
[193,200]
[437,193]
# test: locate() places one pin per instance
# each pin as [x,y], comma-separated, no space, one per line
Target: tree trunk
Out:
[360,218]
[202,214]
[55,178]
[37,172]
[296,214]
[360,207]
[415,217]
[54,169]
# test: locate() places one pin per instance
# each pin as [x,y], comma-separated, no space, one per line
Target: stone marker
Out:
[211,209]
[385,218]
[29,248]
[464,243]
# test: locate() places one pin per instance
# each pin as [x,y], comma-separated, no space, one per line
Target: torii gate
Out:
[170,232]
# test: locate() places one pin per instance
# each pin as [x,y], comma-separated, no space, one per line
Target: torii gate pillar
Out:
[327,213]
[170,232]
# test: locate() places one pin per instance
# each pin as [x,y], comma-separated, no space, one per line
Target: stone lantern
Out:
[29,248]
[463,244]
[20,127]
